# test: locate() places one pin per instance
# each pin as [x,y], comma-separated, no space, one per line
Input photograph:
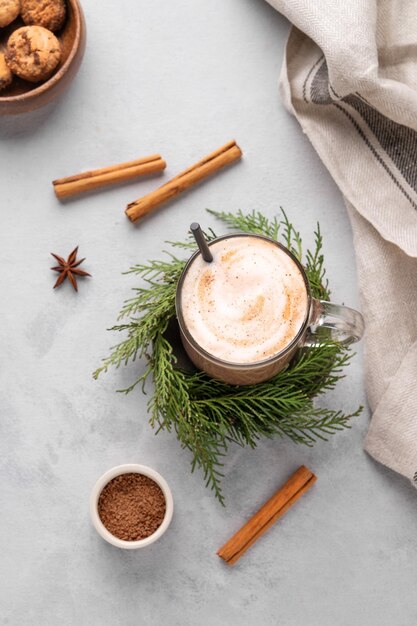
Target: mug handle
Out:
[333,322]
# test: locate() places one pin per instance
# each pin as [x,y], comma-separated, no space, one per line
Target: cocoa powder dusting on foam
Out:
[131,506]
[254,310]
[204,285]
[227,256]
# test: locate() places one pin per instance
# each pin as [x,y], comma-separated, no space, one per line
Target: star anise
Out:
[68,269]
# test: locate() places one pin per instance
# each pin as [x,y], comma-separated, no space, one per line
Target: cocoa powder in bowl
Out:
[131,506]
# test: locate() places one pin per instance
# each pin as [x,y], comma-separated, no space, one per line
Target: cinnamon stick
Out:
[87,181]
[209,165]
[263,519]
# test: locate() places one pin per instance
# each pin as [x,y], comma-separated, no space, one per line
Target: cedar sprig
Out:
[208,415]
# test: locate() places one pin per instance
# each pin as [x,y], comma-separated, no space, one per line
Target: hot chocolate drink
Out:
[248,304]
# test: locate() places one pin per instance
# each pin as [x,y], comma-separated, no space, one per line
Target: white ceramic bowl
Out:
[106,478]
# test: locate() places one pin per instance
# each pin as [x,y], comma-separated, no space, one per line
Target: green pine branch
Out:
[208,415]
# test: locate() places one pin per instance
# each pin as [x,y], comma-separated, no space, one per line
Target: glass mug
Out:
[321,320]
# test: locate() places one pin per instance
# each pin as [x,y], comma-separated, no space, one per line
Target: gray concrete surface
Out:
[180,78]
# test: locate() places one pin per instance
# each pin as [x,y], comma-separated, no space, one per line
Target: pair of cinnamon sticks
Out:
[88,181]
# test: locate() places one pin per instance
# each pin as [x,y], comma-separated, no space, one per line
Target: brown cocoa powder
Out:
[131,506]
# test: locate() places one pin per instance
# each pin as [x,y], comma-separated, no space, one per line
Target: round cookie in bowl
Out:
[50,15]
[6,77]
[33,53]
[37,79]
[9,11]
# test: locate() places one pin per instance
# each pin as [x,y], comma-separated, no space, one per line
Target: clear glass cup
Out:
[323,320]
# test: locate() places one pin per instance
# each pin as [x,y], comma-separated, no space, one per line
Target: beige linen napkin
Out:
[350,78]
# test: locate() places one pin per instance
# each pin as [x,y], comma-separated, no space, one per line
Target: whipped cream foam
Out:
[248,304]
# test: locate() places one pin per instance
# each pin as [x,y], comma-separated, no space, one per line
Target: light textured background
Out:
[180,78]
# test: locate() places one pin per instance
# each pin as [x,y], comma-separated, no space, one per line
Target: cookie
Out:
[47,13]
[9,10]
[6,76]
[32,53]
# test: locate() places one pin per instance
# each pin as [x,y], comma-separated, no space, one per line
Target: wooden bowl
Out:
[22,96]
